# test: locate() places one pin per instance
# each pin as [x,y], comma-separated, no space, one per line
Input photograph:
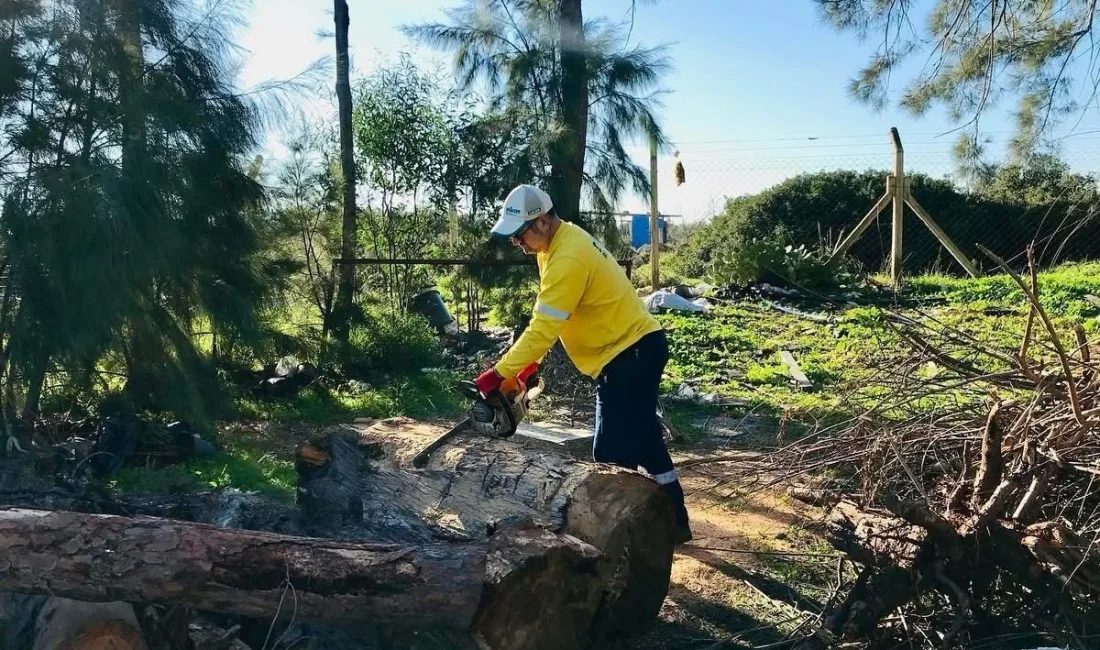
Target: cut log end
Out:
[631,522]
[105,635]
[542,591]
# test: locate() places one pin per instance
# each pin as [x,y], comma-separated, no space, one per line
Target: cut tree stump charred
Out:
[65,624]
[472,483]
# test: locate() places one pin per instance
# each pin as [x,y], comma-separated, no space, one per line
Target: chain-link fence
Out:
[816,194]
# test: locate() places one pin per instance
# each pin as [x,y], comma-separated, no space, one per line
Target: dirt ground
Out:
[729,587]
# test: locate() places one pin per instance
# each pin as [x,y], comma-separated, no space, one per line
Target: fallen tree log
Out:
[445,585]
[911,550]
[104,558]
[472,483]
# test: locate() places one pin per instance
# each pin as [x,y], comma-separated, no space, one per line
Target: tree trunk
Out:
[128,33]
[36,377]
[522,588]
[567,154]
[342,315]
[103,558]
[473,483]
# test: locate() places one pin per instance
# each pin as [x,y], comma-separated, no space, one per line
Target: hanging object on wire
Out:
[679,171]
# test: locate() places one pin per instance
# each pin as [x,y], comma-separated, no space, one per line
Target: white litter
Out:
[666,300]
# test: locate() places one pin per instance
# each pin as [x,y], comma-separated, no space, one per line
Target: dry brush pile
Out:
[970,503]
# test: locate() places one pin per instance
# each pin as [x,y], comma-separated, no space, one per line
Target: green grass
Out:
[1061,290]
[248,467]
[734,350]
[422,396]
[234,467]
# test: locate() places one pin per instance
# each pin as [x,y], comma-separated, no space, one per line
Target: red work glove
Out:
[526,373]
[488,381]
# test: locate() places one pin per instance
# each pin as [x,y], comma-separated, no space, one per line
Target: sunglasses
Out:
[524,228]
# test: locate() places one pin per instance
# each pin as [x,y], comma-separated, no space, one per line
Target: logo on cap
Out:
[511,210]
[533,211]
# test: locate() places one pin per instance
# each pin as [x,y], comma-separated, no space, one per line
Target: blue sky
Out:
[752,82]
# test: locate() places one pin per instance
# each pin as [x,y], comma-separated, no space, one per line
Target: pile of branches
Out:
[974,522]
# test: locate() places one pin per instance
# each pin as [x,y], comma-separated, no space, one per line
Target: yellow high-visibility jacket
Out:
[586,299]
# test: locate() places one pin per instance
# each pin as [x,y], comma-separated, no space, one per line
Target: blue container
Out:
[639,230]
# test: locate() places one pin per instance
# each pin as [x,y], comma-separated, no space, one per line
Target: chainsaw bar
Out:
[421,458]
[494,416]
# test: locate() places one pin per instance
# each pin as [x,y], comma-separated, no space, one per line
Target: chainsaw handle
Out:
[469,390]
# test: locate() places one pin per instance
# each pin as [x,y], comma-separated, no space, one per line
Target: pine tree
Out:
[974,55]
[128,214]
[344,298]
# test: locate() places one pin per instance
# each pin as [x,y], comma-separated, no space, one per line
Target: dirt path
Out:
[729,599]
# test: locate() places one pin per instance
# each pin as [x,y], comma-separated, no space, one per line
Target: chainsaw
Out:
[496,415]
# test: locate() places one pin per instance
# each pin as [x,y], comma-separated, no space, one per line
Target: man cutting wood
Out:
[586,299]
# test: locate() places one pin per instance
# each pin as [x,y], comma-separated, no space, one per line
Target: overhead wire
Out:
[938,138]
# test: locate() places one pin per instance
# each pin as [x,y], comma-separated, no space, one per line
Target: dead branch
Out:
[991,464]
[1033,298]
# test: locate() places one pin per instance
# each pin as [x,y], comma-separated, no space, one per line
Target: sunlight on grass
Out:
[733,350]
[426,395]
[1061,290]
[244,469]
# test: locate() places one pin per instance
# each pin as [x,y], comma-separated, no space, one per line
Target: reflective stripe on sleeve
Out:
[551,312]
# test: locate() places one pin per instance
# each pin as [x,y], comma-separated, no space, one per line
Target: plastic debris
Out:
[666,301]
[687,393]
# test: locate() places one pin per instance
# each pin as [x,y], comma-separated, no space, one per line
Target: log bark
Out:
[877,593]
[472,483]
[523,587]
[874,539]
[104,558]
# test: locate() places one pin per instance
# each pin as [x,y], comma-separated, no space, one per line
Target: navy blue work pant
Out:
[628,432]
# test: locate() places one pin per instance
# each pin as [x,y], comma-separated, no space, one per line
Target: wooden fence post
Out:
[901,192]
[654,247]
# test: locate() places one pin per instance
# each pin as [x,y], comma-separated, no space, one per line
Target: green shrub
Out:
[512,306]
[815,209]
[780,264]
[641,274]
[389,344]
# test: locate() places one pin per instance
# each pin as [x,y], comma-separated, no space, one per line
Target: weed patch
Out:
[234,467]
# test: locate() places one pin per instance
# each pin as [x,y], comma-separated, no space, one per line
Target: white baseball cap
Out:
[524,203]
